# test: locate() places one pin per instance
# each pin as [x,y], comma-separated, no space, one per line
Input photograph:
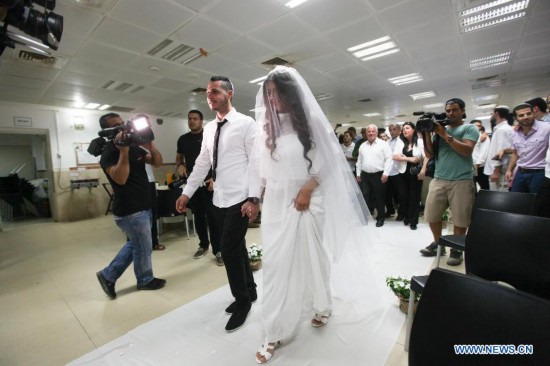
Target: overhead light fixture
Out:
[489,61]
[258,81]
[79,104]
[406,79]
[104,107]
[485,106]
[294,3]
[486,98]
[494,12]
[422,95]
[92,105]
[433,106]
[374,114]
[202,53]
[373,49]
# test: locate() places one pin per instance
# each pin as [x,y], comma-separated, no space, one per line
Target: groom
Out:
[226,147]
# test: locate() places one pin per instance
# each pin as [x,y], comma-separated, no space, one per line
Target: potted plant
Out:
[401,287]
[255,256]
[445,218]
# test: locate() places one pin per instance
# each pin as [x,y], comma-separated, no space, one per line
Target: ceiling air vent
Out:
[365,100]
[38,58]
[493,81]
[277,61]
[116,108]
[198,91]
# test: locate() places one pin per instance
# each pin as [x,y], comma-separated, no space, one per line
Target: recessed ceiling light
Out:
[434,105]
[104,107]
[485,106]
[422,95]
[373,49]
[371,114]
[492,13]
[154,68]
[92,105]
[489,61]
[486,98]
[406,79]
[294,3]
[258,80]
[79,104]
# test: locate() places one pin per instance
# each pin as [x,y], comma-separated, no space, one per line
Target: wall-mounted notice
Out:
[22,121]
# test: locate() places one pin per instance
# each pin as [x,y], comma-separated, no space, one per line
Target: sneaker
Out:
[107,286]
[201,252]
[154,284]
[219,260]
[431,250]
[455,258]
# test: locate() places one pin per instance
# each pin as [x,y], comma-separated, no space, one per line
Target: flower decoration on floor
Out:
[254,252]
[401,286]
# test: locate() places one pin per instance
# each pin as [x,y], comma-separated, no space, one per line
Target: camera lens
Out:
[47,27]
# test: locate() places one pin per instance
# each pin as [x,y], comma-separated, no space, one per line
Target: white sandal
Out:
[319,320]
[266,351]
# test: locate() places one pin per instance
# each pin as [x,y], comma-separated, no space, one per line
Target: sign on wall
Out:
[22,121]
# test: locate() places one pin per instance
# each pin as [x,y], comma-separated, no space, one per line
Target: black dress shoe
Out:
[253,297]
[406,222]
[413,227]
[379,222]
[238,318]
[107,286]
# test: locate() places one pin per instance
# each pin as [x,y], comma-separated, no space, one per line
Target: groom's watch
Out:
[254,200]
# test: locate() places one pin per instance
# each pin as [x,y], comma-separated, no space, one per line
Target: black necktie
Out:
[216,141]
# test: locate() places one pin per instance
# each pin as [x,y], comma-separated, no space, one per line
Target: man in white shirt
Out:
[479,156]
[392,186]
[501,139]
[539,109]
[226,147]
[374,163]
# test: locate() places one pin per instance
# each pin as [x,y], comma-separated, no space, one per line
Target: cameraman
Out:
[125,169]
[452,186]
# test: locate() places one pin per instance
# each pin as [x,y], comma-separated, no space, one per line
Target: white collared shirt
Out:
[236,179]
[375,157]
[501,139]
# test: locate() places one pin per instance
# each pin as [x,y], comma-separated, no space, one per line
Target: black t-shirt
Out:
[189,145]
[133,196]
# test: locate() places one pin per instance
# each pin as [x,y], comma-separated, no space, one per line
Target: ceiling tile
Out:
[203,33]
[245,15]
[326,15]
[283,32]
[125,36]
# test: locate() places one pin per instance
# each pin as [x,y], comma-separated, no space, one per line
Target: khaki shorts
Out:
[458,195]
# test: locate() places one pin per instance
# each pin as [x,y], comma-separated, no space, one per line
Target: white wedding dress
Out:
[296,264]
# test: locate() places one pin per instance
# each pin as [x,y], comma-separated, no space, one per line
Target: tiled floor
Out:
[52,308]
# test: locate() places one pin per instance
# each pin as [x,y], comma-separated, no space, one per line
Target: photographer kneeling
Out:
[452,186]
[123,161]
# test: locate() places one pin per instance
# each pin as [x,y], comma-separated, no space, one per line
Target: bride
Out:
[312,211]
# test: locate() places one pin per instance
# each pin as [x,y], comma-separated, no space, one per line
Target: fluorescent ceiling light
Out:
[92,105]
[406,79]
[485,106]
[373,49]
[381,54]
[294,3]
[104,107]
[323,96]
[433,106]
[489,61]
[486,98]
[258,80]
[79,104]
[371,114]
[492,13]
[422,95]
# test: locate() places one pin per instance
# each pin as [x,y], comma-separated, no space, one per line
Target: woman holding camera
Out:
[409,153]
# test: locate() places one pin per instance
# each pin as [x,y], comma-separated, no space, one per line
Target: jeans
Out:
[138,248]
[528,182]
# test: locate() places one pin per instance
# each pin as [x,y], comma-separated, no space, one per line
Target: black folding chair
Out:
[460,317]
[166,205]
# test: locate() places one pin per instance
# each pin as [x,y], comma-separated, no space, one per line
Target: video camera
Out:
[427,120]
[46,26]
[135,132]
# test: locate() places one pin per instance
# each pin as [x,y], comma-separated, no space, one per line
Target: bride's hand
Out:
[301,203]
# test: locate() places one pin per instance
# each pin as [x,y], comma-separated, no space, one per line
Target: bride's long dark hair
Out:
[288,94]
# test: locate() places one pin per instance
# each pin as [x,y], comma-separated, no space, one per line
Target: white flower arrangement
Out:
[401,286]
[254,252]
